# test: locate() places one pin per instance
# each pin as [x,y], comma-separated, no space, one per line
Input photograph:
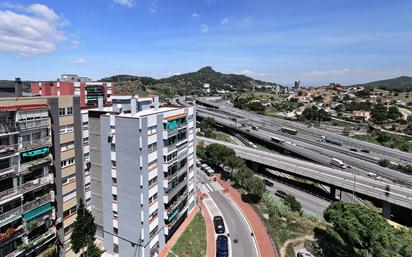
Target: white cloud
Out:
[153,6]
[128,3]
[232,20]
[247,19]
[74,44]
[79,61]
[195,15]
[204,28]
[28,30]
[225,20]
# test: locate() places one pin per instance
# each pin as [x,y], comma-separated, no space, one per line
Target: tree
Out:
[242,175]
[200,151]
[84,229]
[218,154]
[93,250]
[383,137]
[357,231]
[394,113]
[379,113]
[256,107]
[384,163]
[363,93]
[207,123]
[255,187]
[293,204]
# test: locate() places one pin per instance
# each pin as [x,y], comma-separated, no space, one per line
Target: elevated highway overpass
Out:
[388,193]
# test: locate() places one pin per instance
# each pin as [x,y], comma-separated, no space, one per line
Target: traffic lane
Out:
[243,244]
[310,204]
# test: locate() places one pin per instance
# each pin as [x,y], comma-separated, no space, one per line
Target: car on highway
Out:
[353,149]
[364,150]
[222,246]
[255,127]
[303,253]
[281,194]
[268,183]
[219,225]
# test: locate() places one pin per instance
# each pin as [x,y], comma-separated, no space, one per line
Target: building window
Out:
[151,130]
[69,212]
[67,162]
[113,164]
[153,232]
[69,196]
[115,231]
[153,216]
[115,215]
[65,111]
[152,182]
[152,147]
[67,146]
[114,197]
[66,129]
[115,248]
[152,199]
[114,181]
[113,147]
[68,179]
[170,157]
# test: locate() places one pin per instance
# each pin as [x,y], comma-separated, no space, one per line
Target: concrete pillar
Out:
[386,210]
[332,192]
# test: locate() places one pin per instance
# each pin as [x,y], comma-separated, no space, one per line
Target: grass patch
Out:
[221,136]
[192,243]
[396,142]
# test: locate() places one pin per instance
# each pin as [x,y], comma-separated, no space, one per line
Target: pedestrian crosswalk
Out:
[210,187]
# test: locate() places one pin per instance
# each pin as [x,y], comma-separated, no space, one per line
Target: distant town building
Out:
[89,92]
[362,115]
[297,84]
[206,87]
[73,78]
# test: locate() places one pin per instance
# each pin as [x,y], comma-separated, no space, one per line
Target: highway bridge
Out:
[388,193]
[310,133]
[309,146]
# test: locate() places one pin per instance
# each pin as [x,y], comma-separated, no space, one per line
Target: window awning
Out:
[37,212]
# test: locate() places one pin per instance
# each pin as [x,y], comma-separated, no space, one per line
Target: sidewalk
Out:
[178,233]
[259,230]
[210,236]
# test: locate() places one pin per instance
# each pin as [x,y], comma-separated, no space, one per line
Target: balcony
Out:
[25,166]
[173,191]
[11,234]
[9,171]
[7,150]
[12,214]
[178,201]
[27,145]
[27,187]
[9,128]
[26,125]
[177,173]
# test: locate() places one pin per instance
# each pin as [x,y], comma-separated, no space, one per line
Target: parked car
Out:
[281,194]
[219,225]
[304,253]
[268,183]
[222,246]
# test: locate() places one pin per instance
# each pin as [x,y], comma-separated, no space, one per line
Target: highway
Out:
[329,176]
[242,243]
[360,163]
[313,134]
[310,203]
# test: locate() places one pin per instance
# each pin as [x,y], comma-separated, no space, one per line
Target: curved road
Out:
[242,242]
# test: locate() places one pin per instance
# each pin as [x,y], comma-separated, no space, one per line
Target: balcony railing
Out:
[34,124]
[34,143]
[9,170]
[177,173]
[179,200]
[172,192]
[12,234]
[27,187]
[9,127]
[24,208]
[27,165]
[7,150]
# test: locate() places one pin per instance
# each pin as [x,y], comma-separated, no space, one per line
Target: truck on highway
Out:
[289,130]
[277,140]
[331,140]
[337,163]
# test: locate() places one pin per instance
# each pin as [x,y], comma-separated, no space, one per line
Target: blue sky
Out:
[316,41]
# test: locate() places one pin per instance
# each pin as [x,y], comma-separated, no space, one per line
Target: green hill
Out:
[402,83]
[215,79]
